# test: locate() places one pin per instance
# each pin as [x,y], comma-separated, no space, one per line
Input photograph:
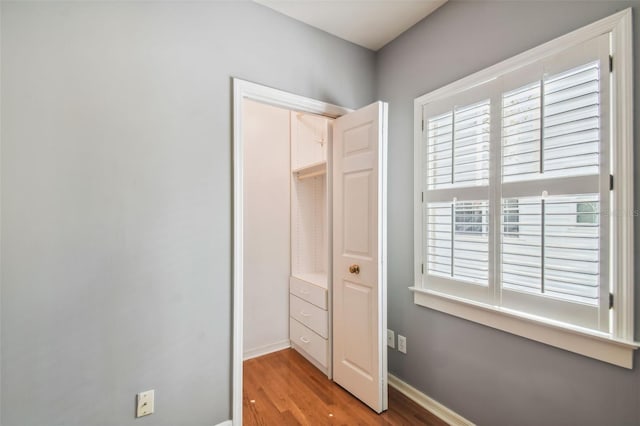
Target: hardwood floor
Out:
[283,388]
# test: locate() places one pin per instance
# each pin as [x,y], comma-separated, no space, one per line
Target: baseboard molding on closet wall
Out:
[266,349]
[429,404]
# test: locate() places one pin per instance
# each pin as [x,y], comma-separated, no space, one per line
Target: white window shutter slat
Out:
[457,240]
[551,247]
[572,122]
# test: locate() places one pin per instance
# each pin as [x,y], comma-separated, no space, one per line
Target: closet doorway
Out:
[310,237]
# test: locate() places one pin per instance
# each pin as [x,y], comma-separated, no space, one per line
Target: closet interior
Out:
[287,214]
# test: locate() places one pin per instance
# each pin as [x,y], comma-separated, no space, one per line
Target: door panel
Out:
[357,139]
[356,209]
[357,353]
[359,238]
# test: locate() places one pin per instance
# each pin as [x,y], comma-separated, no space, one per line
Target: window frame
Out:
[616,347]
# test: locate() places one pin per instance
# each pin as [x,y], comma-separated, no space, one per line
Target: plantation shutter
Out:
[553,253]
[515,189]
[456,211]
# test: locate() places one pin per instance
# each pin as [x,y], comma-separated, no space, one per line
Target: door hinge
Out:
[610,300]
[423,125]
[422,268]
[610,63]
[423,197]
[611,182]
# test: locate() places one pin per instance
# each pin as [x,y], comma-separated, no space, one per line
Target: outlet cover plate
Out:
[145,402]
[402,344]
[391,339]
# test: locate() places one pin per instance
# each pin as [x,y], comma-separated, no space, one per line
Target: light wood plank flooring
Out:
[283,388]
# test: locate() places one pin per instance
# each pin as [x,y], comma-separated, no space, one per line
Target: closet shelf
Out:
[312,170]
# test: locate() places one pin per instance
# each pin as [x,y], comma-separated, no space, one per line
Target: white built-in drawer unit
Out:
[309,315]
[313,344]
[310,292]
[309,320]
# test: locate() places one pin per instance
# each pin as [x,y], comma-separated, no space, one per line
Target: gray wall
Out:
[488,376]
[116,198]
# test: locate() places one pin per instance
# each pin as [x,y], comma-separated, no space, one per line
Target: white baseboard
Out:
[429,404]
[225,423]
[266,349]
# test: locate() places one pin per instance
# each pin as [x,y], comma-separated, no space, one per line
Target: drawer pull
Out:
[304,314]
[304,291]
[305,340]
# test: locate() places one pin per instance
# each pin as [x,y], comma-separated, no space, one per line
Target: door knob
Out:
[354,269]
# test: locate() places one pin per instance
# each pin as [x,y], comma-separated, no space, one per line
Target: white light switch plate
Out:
[391,339]
[145,403]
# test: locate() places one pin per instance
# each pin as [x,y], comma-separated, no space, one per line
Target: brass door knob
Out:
[354,269]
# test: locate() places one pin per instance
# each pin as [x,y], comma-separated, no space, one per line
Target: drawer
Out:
[310,342]
[309,315]
[310,292]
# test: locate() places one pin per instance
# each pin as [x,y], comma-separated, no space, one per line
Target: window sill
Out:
[581,341]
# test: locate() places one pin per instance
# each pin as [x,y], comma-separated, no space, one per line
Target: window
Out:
[510,218]
[470,218]
[513,176]
[587,212]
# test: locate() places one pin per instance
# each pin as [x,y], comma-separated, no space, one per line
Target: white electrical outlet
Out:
[145,403]
[391,339]
[402,344]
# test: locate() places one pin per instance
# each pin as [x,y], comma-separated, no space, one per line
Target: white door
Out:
[359,254]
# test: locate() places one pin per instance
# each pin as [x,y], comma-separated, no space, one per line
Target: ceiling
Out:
[368,23]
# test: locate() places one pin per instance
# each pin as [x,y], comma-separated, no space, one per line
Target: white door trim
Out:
[246,90]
